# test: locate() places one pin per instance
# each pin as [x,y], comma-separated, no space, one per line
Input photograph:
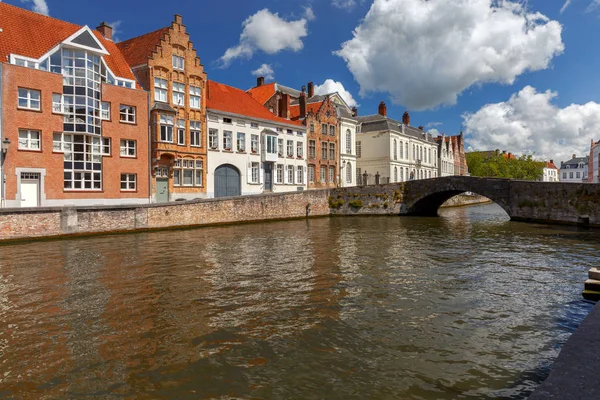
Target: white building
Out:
[250,150]
[446,156]
[394,150]
[575,169]
[550,172]
[349,128]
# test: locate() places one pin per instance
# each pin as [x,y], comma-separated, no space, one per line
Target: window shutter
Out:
[261,173]
[305,182]
[249,173]
[285,175]
[296,175]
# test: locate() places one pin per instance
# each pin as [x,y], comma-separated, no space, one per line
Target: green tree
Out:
[493,164]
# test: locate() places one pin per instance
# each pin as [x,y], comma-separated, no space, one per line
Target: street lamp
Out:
[5,145]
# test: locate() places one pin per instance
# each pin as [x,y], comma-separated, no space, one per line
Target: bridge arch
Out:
[424,197]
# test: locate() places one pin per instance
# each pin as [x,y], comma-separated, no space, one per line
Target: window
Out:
[406,150]
[195,134]
[280,147]
[241,141]
[128,182]
[253,125]
[564,175]
[58,143]
[254,143]
[166,128]
[254,171]
[578,175]
[324,150]
[312,149]
[213,138]
[312,128]
[127,114]
[105,110]
[300,175]
[395,150]
[178,94]
[195,97]
[279,130]
[29,99]
[127,148]
[570,175]
[323,129]
[178,62]
[299,149]
[401,173]
[414,153]
[290,174]
[359,177]
[311,173]
[106,146]
[271,144]
[348,141]
[241,122]
[160,90]
[188,172]
[58,104]
[358,149]
[290,132]
[290,148]
[181,131]
[348,173]
[227,121]
[332,130]
[323,174]
[82,162]
[163,172]
[331,174]
[227,140]
[24,63]
[332,151]
[29,139]
[279,174]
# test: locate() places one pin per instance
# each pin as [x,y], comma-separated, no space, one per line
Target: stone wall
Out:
[54,221]
[462,200]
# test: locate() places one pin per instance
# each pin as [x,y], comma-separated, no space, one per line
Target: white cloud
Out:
[425,53]
[266,71]
[309,14]
[267,32]
[432,124]
[564,7]
[593,6]
[39,6]
[433,132]
[331,86]
[116,25]
[529,123]
[345,4]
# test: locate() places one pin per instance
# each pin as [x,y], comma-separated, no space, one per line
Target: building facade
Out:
[550,172]
[349,128]
[593,162]
[393,151]
[575,169]
[73,124]
[166,65]
[250,150]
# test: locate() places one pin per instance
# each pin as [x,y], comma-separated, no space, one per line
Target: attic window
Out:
[227,120]
[24,63]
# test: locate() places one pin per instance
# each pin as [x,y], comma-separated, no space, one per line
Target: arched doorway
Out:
[227,181]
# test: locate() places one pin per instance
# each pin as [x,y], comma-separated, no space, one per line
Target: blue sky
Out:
[449,65]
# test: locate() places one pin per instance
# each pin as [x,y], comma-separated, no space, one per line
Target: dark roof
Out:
[315,99]
[163,107]
[377,122]
[575,161]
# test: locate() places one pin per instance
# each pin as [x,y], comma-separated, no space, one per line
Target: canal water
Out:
[468,305]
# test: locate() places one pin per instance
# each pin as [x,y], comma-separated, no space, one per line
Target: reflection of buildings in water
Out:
[33,345]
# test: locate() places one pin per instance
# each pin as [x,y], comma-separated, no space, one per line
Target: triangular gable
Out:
[84,38]
[337,99]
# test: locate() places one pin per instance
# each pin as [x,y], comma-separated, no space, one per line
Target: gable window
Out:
[323,129]
[324,150]
[358,149]
[279,130]
[332,151]
[227,120]
[195,97]
[178,62]
[127,114]
[178,94]
[166,128]
[348,141]
[280,147]
[195,134]
[290,132]
[332,130]
[58,105]
[105,110]
[241,141]
[181,132]
[253,125]
[29,99]
[299,149]
[227,139]
[213,138]
[160,90]
[312,128]
[127,148]
[254,144]
[290,148]
[29,139]
[312,149]
[128,182]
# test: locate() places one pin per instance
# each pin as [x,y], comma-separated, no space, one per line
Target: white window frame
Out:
[178,62]
[29,141]
[105,110]
[105,146]
[228,140]
[179,94]
[290,149]
[31,103]
[213,138]
[195,134]
[254,168]
[279,174]
[195,97]
[241,142]
[130,181]
[254,144]
[290,174]
[128,146]
[300,175]
[167,122]
[181,132]
[299,149]
[127,114]
[58,104]
[160,89]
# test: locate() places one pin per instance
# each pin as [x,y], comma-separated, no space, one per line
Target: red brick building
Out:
[165,64]
[73,124]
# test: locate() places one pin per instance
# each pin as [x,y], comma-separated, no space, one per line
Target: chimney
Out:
[260,81]
[302,101]
[551,161]
[382,109]
[311,90]
[574,155]
[354,112]
[105,30]
[284,106]
[421,128]
[503,151]
[406,118]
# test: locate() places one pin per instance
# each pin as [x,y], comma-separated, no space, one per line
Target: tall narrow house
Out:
[73,124]
[165,64]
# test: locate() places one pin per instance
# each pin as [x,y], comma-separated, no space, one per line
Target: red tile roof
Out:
[262,93]
[550,164]
[226,98]
[311,107]
[30,34]
[137,50]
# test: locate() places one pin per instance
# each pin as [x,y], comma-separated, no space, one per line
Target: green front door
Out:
[162,190]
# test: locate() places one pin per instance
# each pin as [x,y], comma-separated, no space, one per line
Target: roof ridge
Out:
[145,34]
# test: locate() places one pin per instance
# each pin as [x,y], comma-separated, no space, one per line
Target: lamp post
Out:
[5,145]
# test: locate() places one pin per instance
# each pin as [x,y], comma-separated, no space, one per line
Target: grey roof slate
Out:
[288,90]
[163,107]
[377,122]
[576,161]
[315,99]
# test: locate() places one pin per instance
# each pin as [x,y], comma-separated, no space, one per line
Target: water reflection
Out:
[468,304]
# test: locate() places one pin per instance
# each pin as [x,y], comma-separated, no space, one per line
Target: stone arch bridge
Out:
[549,202]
